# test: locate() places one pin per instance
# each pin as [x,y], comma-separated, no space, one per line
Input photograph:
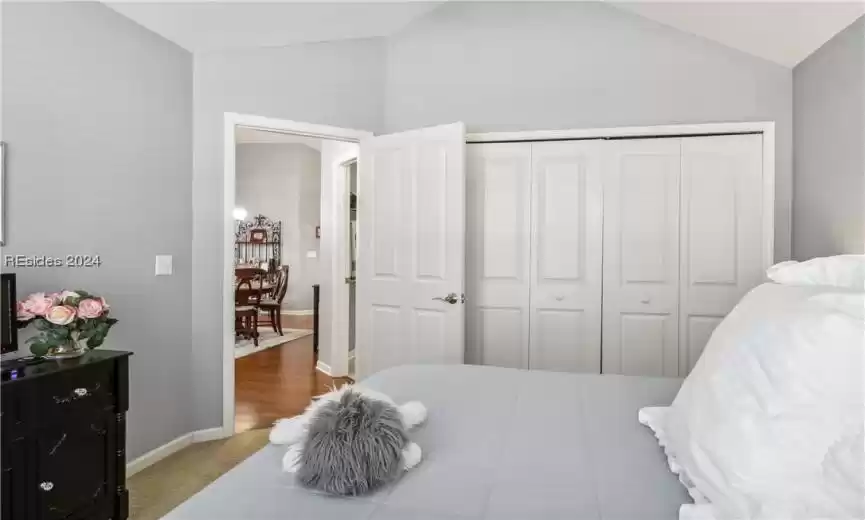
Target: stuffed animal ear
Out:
[413,413]
[288,431]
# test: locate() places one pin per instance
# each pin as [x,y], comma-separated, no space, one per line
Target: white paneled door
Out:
[567,221]
[411,261]
[722,236]
[498,228]
[641,257]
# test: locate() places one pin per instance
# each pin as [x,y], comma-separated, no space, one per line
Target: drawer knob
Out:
[80,392]
[46,486]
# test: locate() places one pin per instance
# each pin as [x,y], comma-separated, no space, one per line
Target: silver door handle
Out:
[452,298]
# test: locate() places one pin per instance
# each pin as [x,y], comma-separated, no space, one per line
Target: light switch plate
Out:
[312,254]
[163,265]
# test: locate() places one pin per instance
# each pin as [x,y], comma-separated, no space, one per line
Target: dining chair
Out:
[247,300]
[273,304]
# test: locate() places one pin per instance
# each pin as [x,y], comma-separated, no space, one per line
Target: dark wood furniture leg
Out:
[278,314]
[315,297]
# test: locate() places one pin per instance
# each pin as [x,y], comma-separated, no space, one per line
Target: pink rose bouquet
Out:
[64,318]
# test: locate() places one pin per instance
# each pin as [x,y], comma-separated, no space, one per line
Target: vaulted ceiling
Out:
[204,26]
[782,32]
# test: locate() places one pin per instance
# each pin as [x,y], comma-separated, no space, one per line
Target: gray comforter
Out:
[499,444]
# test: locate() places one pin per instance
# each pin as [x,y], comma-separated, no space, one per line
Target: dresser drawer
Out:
[63,444]
[77,392]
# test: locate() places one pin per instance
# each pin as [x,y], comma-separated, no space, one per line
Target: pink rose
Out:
[89,308]
[54,296]
[23,313]
[60,315]
[104,304]
[38,304]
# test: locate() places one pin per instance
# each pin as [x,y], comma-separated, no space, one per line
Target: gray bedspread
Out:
[499,444]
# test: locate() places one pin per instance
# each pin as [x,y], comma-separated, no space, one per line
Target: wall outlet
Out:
[163,265]
[312,254]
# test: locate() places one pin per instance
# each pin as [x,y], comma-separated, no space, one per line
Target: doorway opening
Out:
[286,295]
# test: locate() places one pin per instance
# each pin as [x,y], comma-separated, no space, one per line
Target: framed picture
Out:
[2,193]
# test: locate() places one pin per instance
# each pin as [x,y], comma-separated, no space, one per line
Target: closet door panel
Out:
[498,331]
[722,233]
[555,336]
[498,205]
[644,338]
[567,208]
[641,257]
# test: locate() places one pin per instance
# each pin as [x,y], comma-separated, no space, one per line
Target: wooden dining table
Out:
[246,293]
[250,273]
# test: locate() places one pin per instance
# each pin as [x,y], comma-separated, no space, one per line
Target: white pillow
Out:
[779,384]
[838,271]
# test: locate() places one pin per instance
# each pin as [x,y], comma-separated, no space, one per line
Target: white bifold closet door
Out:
[498,229]
[567,223]
[683,242]
[617,256]
[534,223]
[641,257]
[722,234]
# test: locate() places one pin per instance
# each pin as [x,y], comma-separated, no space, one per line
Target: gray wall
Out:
[528,66]
[283,182]
[829,199]
[339,84]
[97,112]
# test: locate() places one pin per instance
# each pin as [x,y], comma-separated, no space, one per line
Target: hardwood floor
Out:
[278,382]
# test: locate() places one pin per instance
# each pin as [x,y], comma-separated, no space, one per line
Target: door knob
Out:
[452,298]
[351,280]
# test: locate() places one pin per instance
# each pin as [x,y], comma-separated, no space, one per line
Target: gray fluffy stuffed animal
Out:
[351,441]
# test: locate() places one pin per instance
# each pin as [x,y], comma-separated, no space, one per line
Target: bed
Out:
[499,444]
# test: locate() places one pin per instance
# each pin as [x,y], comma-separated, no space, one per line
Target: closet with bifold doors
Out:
[610,255]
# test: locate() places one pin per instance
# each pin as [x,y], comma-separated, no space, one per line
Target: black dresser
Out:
[64,439]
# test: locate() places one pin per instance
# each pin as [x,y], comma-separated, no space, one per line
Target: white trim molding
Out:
[322,367]
[170,448]
[155,455]
[230,122]
[210,434]
[301,312]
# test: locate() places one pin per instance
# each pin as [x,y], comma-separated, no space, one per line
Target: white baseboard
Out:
[155,455]
[323,368]
[171,447]
[305,312]
[210,434]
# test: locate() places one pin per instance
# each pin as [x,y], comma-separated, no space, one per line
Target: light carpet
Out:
[267,339]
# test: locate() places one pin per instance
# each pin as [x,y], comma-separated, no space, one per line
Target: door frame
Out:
[765,128]
[339,246]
